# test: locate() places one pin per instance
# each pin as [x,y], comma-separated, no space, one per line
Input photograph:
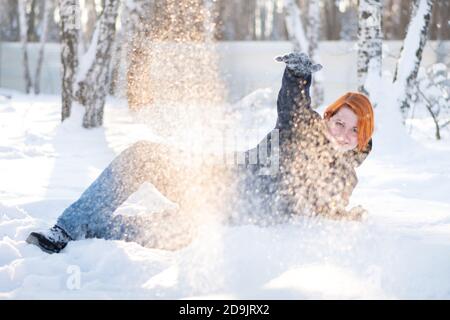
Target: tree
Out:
[43,39]
[9,20]
[305,41]
[294,26]
[369,41]
[313,34]
[32,20]
[349,24]
[93,85]
[70,24]
[332,21]
[22,4]
[434,89]
[411,52]
[26,34]
[278,24]
[119,48]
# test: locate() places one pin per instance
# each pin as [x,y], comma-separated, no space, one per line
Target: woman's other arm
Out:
[332,202]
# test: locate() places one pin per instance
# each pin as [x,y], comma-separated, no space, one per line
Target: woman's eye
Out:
[355,130]
[340,124]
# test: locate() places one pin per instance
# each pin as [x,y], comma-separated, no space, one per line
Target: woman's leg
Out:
[170,229]
[92,214]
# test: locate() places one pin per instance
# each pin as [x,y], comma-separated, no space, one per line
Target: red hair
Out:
[362,107]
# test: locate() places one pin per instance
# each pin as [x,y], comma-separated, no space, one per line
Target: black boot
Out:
[50,241]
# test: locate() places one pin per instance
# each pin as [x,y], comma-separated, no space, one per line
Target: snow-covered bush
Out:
[433,92]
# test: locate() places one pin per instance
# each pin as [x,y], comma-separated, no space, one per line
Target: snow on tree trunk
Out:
[70,24]
[43,40]
[313,33]
[294,26]
[23,39]
[411,52]
[93,86]
[81,43]
[369,41]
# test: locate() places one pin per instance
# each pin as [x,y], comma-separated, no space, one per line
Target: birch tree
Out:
[119,47]
[69,11]
[294,26]
[313,34]
[306,41]
[369,41]
[93,85]
[43,40]
[22,11]
[411,52]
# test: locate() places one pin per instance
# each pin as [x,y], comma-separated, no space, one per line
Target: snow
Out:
[408,57]
[400,251]
[87,59]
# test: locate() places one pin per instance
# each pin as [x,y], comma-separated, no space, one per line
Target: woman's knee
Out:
[141,145]
[144,149]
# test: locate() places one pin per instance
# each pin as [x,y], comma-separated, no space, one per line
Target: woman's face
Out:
[343,130]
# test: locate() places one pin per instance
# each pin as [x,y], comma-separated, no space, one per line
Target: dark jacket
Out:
[303,173]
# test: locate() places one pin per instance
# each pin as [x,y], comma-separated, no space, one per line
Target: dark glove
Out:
[299,64]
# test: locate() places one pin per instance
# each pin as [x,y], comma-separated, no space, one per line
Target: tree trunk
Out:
[116,62]
[119,47]
[9,17]
[411,52]
[333,26]
[93,87]
[251,16]
[23,39]
[278,24]
[31,22]
[70,23]
[313,33]
[294,26]
[369,41]
[43,40]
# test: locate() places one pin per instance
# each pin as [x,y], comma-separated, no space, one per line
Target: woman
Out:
[311,163]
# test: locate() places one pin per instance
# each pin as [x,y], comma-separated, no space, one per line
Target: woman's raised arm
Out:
[294,102]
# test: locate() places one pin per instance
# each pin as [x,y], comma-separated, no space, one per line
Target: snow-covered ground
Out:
[401,251]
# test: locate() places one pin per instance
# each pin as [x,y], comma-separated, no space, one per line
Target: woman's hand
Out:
[357,213]
[299,63]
